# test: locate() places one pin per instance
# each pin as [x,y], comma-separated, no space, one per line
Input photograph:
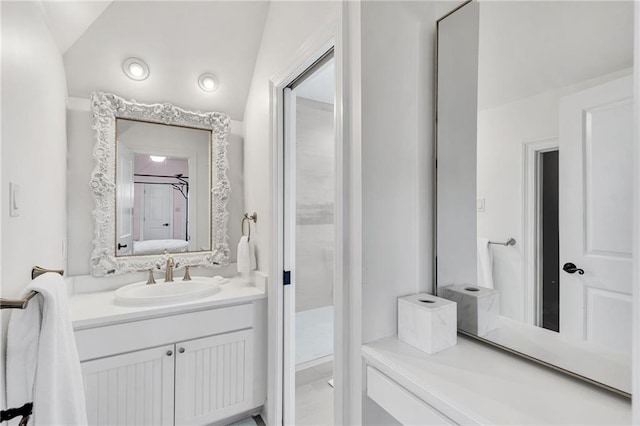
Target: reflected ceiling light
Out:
[157,158]
[207,82]
[135,68]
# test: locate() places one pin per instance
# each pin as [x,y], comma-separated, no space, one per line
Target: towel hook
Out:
[254,218]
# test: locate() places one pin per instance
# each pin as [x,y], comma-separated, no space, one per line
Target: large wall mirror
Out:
[534,179]
[160,186]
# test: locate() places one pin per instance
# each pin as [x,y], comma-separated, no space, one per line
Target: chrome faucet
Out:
[168,271]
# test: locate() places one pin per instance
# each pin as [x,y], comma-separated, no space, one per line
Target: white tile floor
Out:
[314,396]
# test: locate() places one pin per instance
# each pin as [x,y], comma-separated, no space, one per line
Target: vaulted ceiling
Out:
[529,47]
[179,40]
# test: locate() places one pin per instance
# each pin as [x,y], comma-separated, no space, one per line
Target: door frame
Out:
[635,368]
[347,264]
[285,295]
[531,230]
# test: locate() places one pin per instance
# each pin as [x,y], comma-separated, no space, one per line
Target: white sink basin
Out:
[162,293]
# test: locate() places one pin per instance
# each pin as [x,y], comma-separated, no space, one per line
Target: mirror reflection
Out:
[554,144]
[163,189]
[534,180]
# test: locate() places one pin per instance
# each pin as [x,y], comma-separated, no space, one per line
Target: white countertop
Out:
[97,309]
[474,383]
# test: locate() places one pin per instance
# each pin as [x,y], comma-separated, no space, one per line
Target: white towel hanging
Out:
[42,359]
[244,256]
[485,263]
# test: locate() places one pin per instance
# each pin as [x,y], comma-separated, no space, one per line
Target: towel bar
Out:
[22,303]
[509,242]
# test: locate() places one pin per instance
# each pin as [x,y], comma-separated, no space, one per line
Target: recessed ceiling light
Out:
[135,68]
[208,82]
[157,158]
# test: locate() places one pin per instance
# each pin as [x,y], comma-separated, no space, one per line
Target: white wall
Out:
[288,26]
[397,149]
[80,201]
[397,42]
[34,96]
[502,131]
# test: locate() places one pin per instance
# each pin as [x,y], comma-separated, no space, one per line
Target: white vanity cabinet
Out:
[403,405]
[213,378]
[131,388]
[192,368]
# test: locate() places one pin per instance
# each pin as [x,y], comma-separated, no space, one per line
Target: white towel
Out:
[485,263]
[243,257]
[42,358]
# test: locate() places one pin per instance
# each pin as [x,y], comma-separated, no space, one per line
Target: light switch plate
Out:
[14,199]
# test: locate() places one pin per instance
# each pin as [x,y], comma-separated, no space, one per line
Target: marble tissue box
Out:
[427,322]
[478,307]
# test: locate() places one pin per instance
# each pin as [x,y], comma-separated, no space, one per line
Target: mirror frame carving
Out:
[106,109]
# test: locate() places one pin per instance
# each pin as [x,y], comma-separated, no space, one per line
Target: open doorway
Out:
[310,240]
[550,239]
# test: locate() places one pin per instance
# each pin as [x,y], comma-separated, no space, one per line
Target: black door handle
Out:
[165,224]
[571,268]
[121,246]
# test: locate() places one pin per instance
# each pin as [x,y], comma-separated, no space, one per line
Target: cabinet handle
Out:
[181,350]
[169,353]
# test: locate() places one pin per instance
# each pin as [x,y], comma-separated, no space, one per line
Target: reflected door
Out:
[125,202]
[158,212]
[596,207]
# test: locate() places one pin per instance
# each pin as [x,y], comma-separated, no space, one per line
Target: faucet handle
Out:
[151,280]
[186,277]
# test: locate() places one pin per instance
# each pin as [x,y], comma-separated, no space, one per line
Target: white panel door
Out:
[130,389]
[158,212]
[124,201]
[596,207]
[214,377]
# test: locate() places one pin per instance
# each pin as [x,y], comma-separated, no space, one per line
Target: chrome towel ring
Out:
[247,218]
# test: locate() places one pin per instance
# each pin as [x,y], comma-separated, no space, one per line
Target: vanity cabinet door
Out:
[131,389]
[214,377]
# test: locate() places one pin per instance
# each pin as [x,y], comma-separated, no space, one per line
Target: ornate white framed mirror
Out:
[534,180]
[159,185]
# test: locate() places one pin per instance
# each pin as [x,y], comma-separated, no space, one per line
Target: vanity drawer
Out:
[407,408]
[131,336]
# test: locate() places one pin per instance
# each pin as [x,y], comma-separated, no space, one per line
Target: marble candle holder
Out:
[427,322]
[478,307]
